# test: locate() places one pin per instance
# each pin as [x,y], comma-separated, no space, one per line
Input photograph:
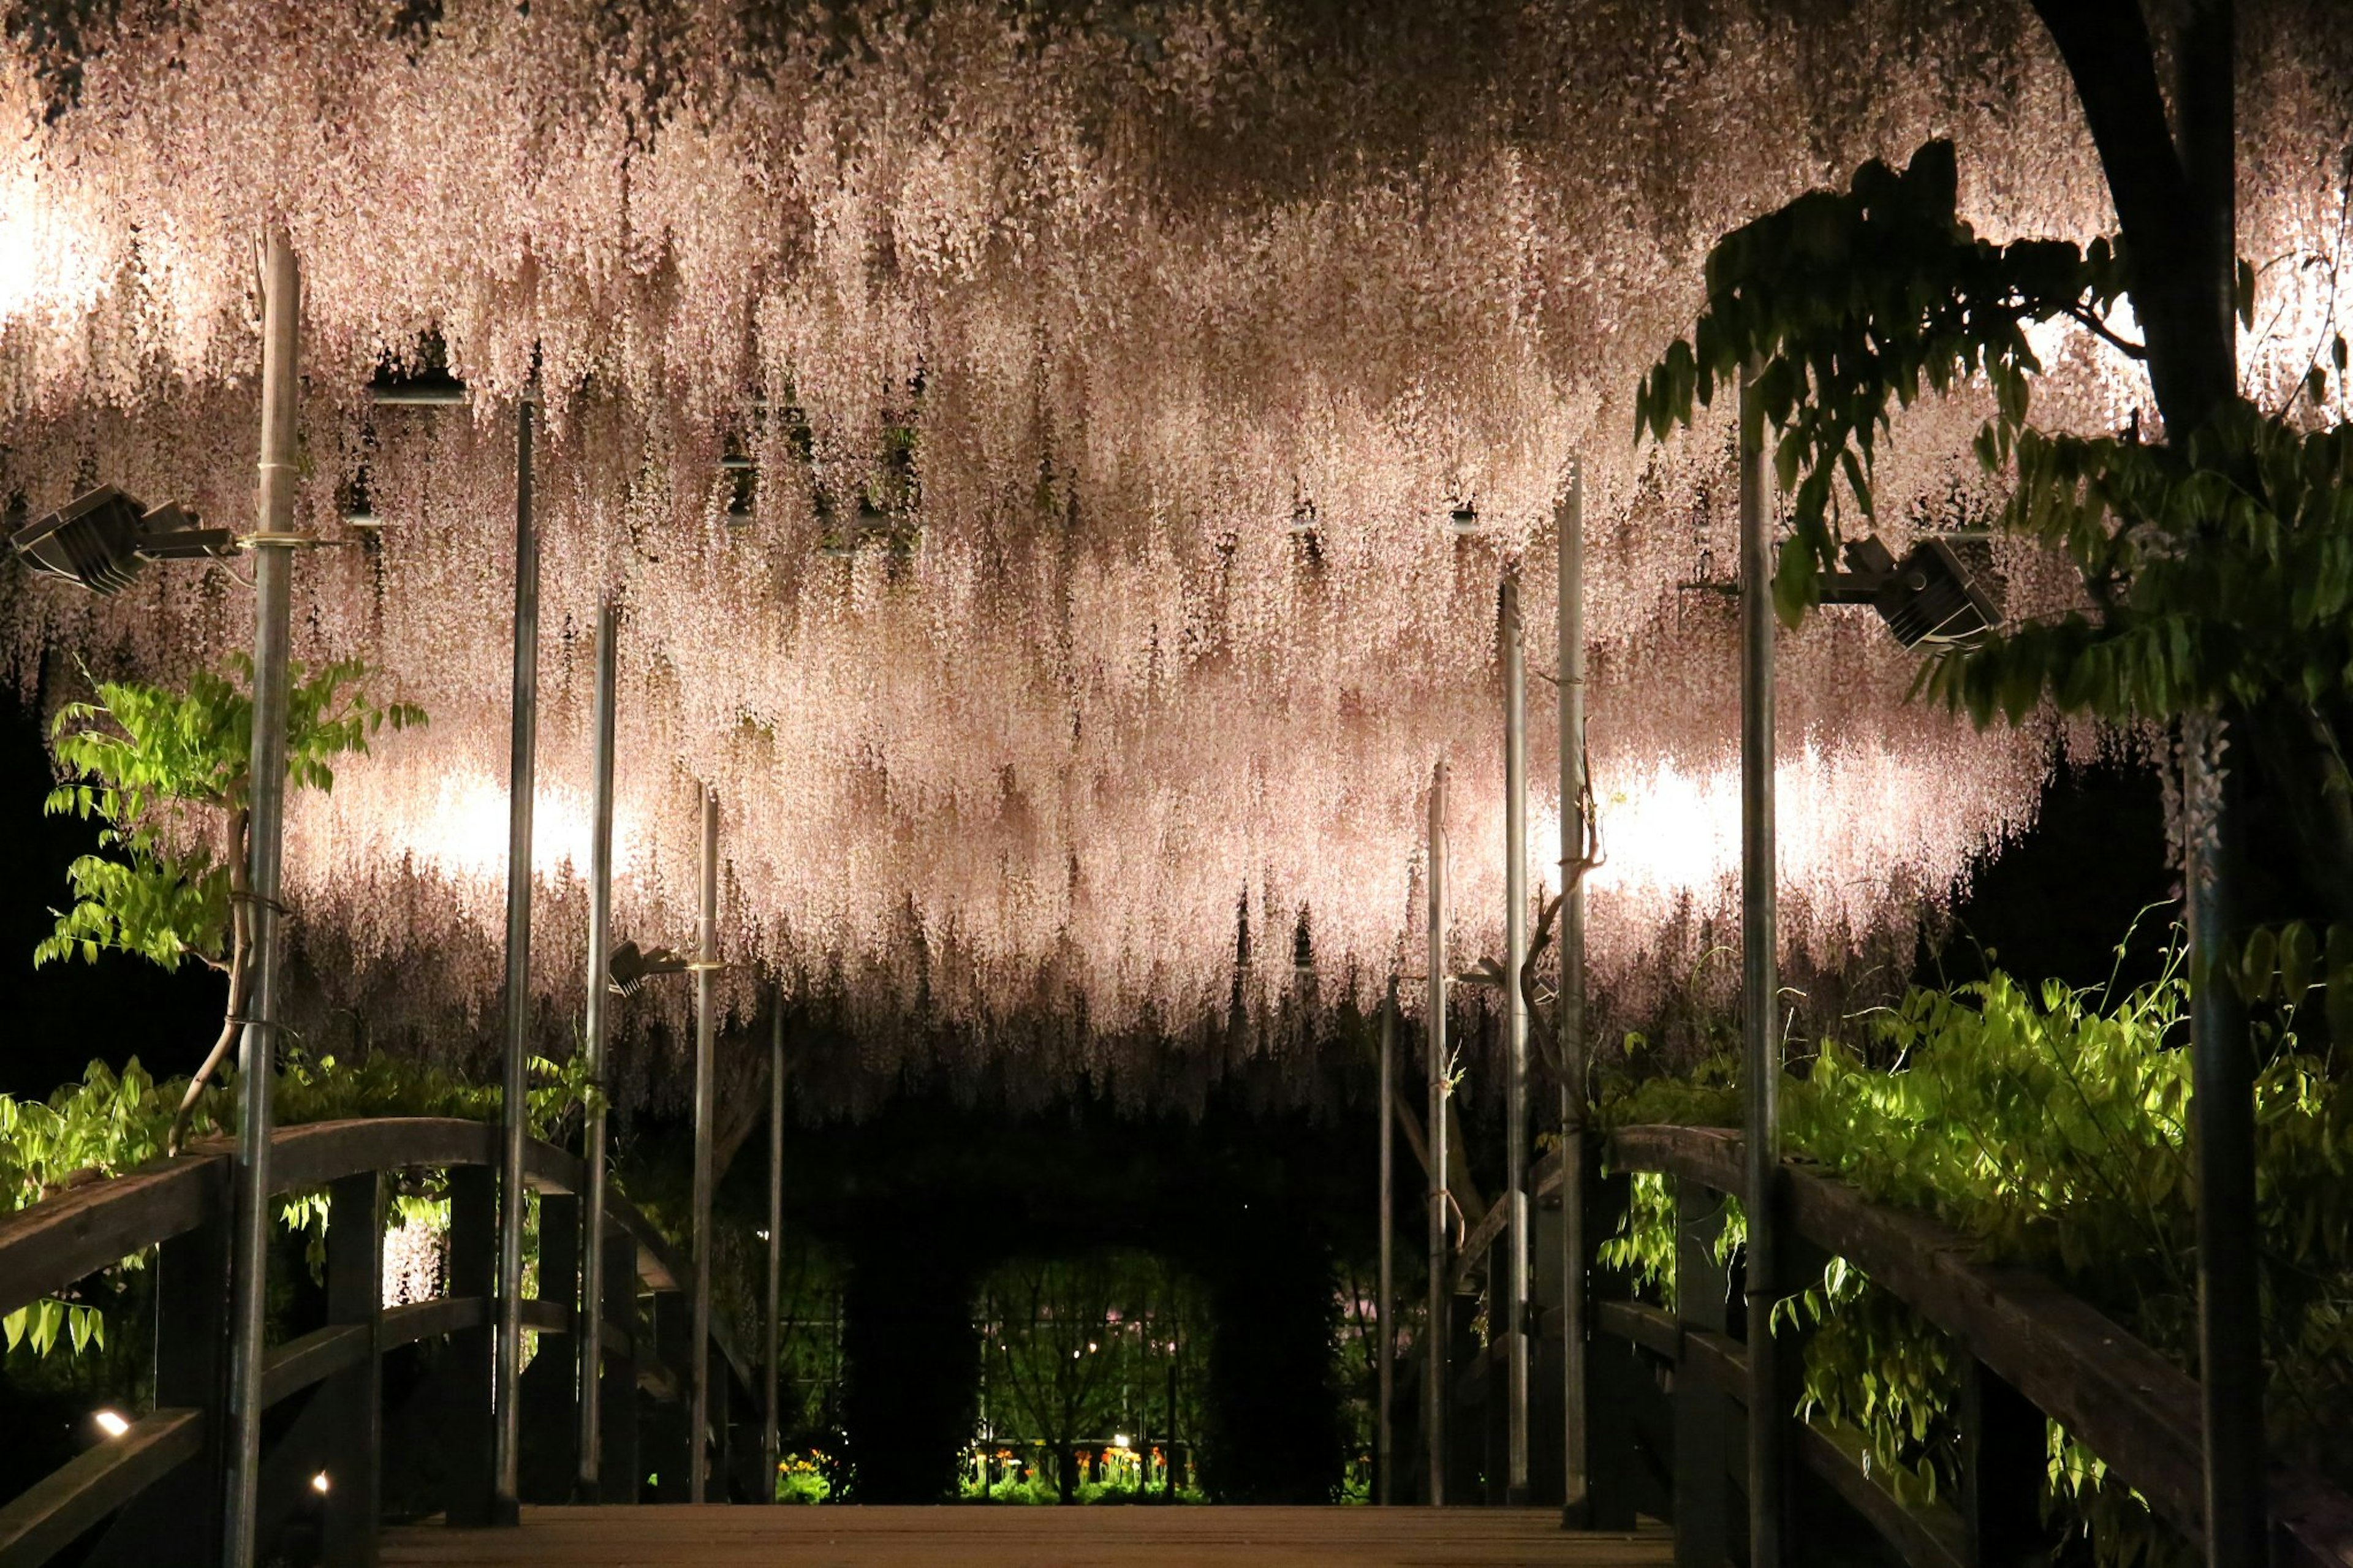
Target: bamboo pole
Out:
[256,1047]
[594,1026]
[1577,1466]
[1515,1026]
[1434,1332]
[1760,987]
[506,1437]
[769,1438]
[1384,1448]
[706,966]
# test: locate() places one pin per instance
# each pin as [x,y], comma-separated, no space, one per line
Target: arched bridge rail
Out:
[152,1493]
[1668,1390]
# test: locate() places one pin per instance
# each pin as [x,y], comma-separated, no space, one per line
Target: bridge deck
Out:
[721,1537]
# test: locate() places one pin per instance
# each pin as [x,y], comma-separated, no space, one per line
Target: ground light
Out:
[111,1422]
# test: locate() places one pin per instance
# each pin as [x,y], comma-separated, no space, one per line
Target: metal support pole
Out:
[706,974]
[768,1424]
[522,786]
[1577,1512]
[592,1030]
[1760,989]
[1434,1332]
[257,1045]
[1515,1024]
[1384,1445]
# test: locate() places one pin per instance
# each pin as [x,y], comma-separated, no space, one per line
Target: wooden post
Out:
[1613,1380]
[670,1445]
[619,1472]
[179,1517]
[355,1397]
[1703,1418]
[473,1274]
[2002,1466]
[550,1390]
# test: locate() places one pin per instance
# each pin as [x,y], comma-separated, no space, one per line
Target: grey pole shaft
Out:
[706,976]
[1760,989]
[768,1424]
[257,1045]
[1384,1445]
[594,1026]
[522,786]
[1515,1023]
[1434,1332]
[1576,1508]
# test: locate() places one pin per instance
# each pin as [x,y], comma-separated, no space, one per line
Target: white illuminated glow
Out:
[1119,1440]
[111,1423]
[1033,764]
[318,1483]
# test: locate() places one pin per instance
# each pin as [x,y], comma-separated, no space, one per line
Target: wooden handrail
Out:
[2130,1405]
[49,1245]
[63,1504]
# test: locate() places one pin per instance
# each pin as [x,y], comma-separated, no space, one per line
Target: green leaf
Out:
[2258,963]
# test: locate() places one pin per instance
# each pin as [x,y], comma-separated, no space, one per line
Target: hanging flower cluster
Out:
[1056,468]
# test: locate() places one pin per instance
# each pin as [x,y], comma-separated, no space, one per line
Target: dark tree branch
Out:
[2179,278]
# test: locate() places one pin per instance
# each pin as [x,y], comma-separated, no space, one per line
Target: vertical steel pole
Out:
[522,787]
[1760,989]
[257,1045]
[1577,1500]
[593,1031]
[706,974]
[768,1426]
[1434,1332]
[1384,1447]
[1515,1023]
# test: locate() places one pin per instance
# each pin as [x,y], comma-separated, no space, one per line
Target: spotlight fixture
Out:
[1303,517]
[1463,519]
[102,538]
[111,1423]
[429,385]
[632,966]
[1927,598]
[743,486]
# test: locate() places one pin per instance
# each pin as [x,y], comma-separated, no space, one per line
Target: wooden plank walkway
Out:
[721,1537]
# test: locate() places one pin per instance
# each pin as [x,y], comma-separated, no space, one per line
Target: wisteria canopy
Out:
[1113,374]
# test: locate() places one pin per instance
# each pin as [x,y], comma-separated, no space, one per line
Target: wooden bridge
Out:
[348,1449]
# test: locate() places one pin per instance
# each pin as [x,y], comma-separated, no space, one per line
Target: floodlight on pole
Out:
[1927,598]
[103,537]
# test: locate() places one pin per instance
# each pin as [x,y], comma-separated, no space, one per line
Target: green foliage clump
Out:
[109,1123]
[167,774]
[2052,1126]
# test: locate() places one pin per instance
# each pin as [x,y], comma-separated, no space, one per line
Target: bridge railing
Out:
[152,1494]
[2031,1351]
